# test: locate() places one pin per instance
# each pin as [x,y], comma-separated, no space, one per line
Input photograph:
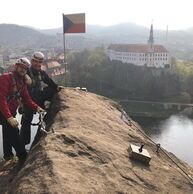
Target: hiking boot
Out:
[21,162]
[8,158]
[15,158]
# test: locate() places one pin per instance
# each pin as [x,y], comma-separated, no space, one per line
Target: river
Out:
[175,134]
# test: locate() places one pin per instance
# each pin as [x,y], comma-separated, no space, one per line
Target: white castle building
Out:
[150,54]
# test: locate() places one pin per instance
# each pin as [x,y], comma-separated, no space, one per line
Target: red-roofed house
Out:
[150,54]
[54,68]
[53,64]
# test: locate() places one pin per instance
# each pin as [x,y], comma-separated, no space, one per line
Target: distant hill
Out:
[52,31]
[179,43]
[91,29]
[130,32]
[19,36]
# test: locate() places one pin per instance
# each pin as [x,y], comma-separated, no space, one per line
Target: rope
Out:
[158,146]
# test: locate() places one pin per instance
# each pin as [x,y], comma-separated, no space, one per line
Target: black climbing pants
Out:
[27,117]
[11,138]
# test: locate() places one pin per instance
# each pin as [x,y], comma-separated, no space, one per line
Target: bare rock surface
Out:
[88,153]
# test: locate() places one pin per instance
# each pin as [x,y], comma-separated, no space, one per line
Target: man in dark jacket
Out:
[41,89]
[13,88]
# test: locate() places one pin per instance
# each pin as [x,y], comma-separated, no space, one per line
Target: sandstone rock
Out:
[88,153]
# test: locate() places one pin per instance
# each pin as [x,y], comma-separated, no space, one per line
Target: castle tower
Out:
[151,40]
[150,48]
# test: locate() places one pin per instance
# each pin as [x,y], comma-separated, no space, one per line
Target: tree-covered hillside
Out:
[93,69]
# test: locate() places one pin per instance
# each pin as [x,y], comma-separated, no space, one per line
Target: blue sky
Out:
[46,14]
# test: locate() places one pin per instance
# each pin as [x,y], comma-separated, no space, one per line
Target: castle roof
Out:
[137,48]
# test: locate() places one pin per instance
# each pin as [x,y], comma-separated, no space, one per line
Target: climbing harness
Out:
[129,122]
[16,92]
[41,124]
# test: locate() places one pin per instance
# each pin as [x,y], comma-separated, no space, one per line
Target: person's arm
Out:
[48,80]
[27,99]
[5,87]
[27,80]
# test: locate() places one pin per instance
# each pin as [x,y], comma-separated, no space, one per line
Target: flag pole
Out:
[72,23]
[65,63]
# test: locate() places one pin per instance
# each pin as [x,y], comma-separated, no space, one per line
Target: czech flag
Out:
[74,23]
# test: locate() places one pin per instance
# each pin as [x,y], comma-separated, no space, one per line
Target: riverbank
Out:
[155,110]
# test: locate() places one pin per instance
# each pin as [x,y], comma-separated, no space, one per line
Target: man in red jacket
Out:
[13,88]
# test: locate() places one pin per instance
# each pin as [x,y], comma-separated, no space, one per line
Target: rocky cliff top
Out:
[88,153]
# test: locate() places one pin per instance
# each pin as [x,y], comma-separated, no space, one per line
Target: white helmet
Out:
[38,56]
[23,61]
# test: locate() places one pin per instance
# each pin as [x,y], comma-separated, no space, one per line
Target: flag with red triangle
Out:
[74,23]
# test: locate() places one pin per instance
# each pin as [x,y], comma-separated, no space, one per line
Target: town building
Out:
[150,54]
[54,68]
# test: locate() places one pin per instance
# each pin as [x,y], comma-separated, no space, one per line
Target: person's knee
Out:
[49,93]
[27,116]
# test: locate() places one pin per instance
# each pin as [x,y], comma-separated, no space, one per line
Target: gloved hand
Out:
[27,79]
[13,122]
[39,109]
[60,88]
